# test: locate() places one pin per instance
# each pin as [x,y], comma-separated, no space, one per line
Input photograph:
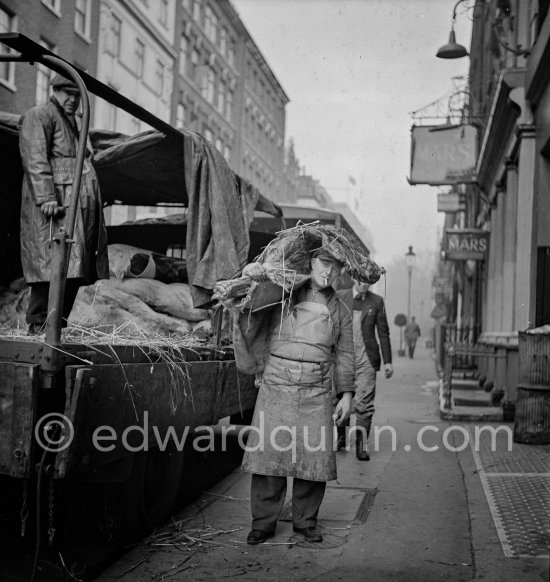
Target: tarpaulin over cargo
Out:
[154,168]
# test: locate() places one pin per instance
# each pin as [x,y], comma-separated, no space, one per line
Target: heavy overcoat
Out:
[48,143]
[373,320]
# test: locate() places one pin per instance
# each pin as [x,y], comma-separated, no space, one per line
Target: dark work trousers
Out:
[37,311]
[267,496]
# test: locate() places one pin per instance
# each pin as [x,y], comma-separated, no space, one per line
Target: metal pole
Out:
[409,302]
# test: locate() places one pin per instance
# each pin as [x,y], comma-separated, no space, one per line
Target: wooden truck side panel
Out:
[18,390]
[135,407]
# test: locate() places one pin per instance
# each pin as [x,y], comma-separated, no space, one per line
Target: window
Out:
[82,17]
[139,58]
[136,125]
[221,97]
[163,12]
[43,76]
[159,74]
[6,69]
[116,31]
[227,153]
[210,24]
[181,116]
[228,105]
[197,10]
[111,116]
[194,64]
[223,41]
[219,145]
[231,53]
[54,5]
[184,47]
[208,134]
[210,85]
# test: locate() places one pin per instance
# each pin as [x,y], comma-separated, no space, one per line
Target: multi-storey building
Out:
[226,91]
[509,101]
[136,57]
[192,63]
[66,28]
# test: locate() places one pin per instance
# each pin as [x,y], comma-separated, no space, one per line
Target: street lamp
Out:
[454,50]
[410,257]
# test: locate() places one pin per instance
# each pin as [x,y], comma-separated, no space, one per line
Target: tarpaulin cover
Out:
[149,169]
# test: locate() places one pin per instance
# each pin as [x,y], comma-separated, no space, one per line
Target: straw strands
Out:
[177,537]
[287,263]
[158,349]
[292,249]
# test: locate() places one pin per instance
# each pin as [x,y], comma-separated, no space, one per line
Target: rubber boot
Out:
[341,442]
[360,442]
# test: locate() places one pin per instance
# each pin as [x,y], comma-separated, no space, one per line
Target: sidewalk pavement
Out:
[409,514]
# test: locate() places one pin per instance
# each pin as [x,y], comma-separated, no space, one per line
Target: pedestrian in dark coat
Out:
[369,319]
[48,143]
[412,333]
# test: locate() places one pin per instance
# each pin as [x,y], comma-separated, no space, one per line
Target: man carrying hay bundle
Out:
[292,328]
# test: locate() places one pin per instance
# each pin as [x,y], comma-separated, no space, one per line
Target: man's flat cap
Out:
[61,82]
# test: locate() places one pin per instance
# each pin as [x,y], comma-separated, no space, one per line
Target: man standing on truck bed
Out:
[48,142]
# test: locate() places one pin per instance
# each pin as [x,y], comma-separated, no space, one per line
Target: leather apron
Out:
[292,429]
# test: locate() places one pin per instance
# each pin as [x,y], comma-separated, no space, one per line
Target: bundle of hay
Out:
[292,249]
[287,262]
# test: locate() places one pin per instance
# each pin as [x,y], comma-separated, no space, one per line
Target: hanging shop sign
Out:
[466,245]
[443,154]
[452,202]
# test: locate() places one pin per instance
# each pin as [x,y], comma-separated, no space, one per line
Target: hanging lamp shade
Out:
[452,50]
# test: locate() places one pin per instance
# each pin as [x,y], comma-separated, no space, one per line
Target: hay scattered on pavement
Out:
[177,536]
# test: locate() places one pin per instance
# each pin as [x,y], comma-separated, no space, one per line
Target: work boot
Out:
[360,448]
[310,534]
[36,329]
[341,442]
[360,442]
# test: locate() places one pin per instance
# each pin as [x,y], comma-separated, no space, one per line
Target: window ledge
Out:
[8,85]
[52,10]
[85,37]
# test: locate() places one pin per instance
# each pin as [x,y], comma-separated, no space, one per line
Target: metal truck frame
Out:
[123,489]
[110,492]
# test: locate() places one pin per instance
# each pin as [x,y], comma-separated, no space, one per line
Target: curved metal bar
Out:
[82,138]
[62,240]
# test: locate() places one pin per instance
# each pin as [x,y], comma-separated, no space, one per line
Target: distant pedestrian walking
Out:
[412,333]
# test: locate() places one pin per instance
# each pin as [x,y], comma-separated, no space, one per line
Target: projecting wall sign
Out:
[466,245]
[443,154]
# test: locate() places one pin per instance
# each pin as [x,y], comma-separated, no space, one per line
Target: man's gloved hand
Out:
[388,370]
[52,209]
